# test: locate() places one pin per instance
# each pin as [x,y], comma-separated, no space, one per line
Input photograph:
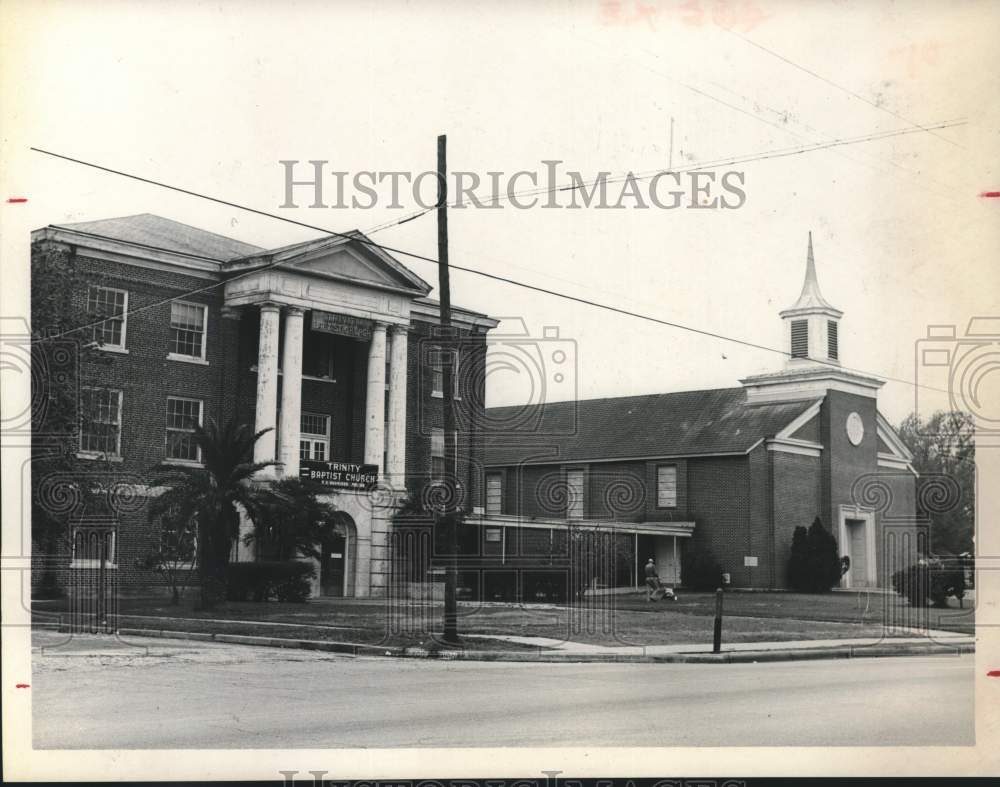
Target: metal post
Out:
[636,560]
[717,636]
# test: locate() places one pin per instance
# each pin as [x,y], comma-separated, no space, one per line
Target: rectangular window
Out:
[113,306]
[831,340]
[92,544]
[101,421]
[666,486]
[494,493]
[437,452]
[179,540]
[183,415]
[574,494]
[800,339]
[187,329]
[437,358]
[494,535]
[314,437]
[319,356]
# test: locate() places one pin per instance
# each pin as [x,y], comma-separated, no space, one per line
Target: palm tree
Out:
[291,521]
[210,494]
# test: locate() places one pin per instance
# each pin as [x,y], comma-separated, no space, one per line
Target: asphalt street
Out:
[176,694]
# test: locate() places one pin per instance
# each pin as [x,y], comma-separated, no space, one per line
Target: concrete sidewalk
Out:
[926,638]
[543,649]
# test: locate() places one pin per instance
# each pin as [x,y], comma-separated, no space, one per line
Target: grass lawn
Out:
[748,617]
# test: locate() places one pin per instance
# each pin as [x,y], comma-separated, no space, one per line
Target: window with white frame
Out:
[112,305]
[494,493]
[93,544]
[438,356]
[666,486]
[314,437]
[187,329]
[183,415]
[101,421]
[574,494]
[438,465]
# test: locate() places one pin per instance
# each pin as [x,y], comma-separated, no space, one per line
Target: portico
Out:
[347,291]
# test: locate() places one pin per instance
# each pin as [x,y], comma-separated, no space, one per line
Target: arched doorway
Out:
[338,561]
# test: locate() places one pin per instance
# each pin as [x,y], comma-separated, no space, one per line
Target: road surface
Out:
[178,694]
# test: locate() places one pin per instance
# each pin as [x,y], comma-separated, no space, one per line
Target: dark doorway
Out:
[333,565]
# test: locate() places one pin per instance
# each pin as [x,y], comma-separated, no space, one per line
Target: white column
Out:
[396,463]
[291,394]
[375,399]
[267,385]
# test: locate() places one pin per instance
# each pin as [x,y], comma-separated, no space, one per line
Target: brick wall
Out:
[227,386]
[902,537]
[797,490]
[425,411]
[146,377]
[719,504]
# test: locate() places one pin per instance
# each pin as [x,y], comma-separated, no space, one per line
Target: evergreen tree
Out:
[814,563]
[823,561]
[797,562]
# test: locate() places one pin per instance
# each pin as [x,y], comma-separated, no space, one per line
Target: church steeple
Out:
[812,332]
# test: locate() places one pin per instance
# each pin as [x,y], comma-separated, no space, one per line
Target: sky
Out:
[211,96]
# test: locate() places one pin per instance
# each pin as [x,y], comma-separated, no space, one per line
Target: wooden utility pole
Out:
[446,517]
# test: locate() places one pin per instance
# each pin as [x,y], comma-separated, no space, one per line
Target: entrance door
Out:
[331,571]
[858,552]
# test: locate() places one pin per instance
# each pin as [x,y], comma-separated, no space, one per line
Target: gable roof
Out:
[150,231]
[686,423]
[147,229]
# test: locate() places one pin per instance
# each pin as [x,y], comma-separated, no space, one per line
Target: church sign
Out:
[341,325]
[339,475]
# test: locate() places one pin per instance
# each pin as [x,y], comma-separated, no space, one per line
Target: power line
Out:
[750,157]
[830,82]
[746,158]
[431,260]
[756,116]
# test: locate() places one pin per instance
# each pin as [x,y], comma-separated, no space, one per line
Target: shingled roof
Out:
[687,423]
[146,229]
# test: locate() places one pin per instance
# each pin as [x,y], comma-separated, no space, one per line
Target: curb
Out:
[540,656]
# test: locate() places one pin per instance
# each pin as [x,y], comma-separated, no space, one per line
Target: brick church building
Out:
[732,471]
[333,345]
[329,343]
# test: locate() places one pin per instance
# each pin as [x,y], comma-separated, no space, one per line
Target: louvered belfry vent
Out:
[800,339]
[831,340]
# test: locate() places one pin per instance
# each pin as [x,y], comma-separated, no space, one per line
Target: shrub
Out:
[814,565]
[799,560]
[929,582]
[700,570]
[283,580]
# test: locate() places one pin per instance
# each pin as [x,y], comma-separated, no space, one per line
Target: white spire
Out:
[811,297]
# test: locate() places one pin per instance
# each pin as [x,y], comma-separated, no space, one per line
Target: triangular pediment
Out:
[352,259]
[349,264]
